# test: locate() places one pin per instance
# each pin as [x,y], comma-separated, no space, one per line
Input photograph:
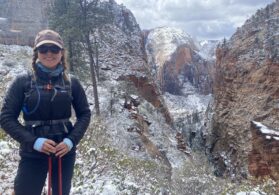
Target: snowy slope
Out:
[207,49]
[163,41]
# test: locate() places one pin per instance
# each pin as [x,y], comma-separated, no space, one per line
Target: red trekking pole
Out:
[59,175]
[49,175]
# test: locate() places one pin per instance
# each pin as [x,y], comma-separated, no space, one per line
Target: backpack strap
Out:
[33,84]
[68,85]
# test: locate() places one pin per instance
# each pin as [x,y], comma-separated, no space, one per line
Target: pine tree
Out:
[78,21]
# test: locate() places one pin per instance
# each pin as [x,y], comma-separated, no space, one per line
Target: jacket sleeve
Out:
[83,113]
[11,108]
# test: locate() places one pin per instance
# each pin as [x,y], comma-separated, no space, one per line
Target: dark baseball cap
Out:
[48,36]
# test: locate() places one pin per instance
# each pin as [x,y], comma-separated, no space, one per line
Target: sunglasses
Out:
[43,49]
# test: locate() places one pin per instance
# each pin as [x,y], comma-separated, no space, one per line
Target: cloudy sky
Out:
[203,19]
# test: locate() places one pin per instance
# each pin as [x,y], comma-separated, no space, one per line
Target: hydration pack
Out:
[45,101]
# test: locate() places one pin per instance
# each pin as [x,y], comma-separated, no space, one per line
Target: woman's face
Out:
[50,55]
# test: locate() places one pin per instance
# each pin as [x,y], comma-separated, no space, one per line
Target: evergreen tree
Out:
[79,21]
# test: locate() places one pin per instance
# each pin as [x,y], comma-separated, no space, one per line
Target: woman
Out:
[47,138]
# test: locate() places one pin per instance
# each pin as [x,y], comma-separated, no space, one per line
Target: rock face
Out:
[264,157]
[183,70]
[20,20]
[174,59]
[246,89]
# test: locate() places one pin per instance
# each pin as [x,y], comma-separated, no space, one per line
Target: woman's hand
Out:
[49,147]
[61,149]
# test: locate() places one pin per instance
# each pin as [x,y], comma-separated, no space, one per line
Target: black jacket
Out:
[13,103]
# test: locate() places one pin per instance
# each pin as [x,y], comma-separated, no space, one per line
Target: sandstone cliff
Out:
[20,20]
[264,157]
[183,69]
[246,89]
[174,58]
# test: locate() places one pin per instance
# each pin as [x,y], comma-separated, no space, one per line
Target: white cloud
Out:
[204,19]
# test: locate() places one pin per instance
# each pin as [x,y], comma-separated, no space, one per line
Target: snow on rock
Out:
[179,105]
[207,49]
[251,193]
[164,41]
[266,130]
